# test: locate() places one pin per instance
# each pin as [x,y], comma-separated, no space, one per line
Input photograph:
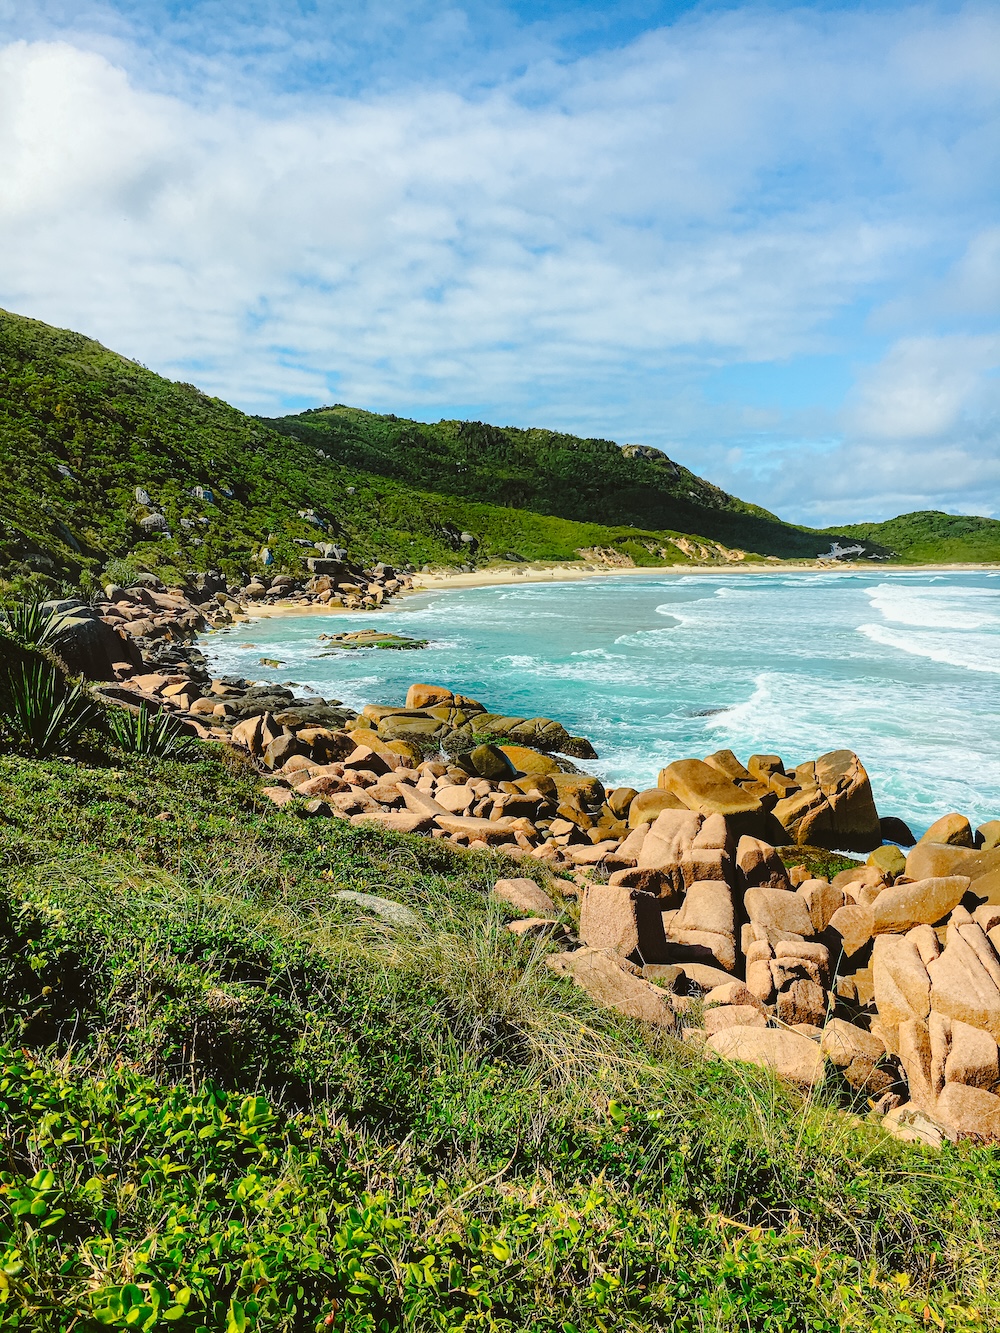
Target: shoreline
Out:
[565,572]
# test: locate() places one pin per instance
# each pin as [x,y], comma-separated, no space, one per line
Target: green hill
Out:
[544,471]
[929,536]
[82,429]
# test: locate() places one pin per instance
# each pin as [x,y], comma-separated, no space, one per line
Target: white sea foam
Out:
[971,652]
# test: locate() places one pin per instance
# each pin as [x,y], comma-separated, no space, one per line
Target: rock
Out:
[489,761]
[279,796]
[953,830]
[624,921]
[281,750]
[803,1001]
[854,925]
[455,800]
[420,802]
[962,988]
[934,860]
[486,830]
[726,763]
[969,1112]
[725,1016]
[615,985]
[702,788]
[760,866]
[247,734]
[988,835]
[705,976]
[399,821]
[395,913]
[910,1124]
[901,981]
[707,906]
[973,1059]
[843,781]
[620,800]
[647,805]
[425,696]
[761,766]
[778,909]
[537,927]
[323,785]
[895,830]
[822,900]
[926,901]
[789,1054]
[529,761]
[889,861]
[87,646]
[365,757]
[732,993]
[859,877]
[525,895]
[842,1042]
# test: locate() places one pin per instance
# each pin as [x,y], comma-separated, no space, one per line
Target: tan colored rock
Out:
[426,696]
[854,925]
[952,830]
[910,1124]
[732,993]
[802,1002]
[934,860]
[648,804]
[525,895]
[247,734]
[705,976]
[615,985]
[535,926]
[623,921]
[728,765]
[703,788]
[702,946]
[925,941]
[842,779]
[962,989]
[708,906]
[418,802]
[399,821]
[975,937]
[760,866]
[914,1050]
[365,757]
[969,1112]
[988,835]
[902,983]
[279,796]
[490,831]
[529,761]
[857,877]
[817,954]
[923,902]
[778,908]
[789,1054]
[720,1017]
[322,785]
[761,766]
[630,848]
[889,860]
[760,981]
[974,1058]
[842,1042]
[821,900]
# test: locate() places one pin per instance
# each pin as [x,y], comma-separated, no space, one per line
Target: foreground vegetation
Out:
[235,1100]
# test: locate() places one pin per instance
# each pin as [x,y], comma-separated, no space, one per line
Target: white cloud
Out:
[578,245]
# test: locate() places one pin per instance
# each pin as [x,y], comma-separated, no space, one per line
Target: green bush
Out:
[153,734]
[40,712]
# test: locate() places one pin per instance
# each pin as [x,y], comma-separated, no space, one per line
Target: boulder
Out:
[988,835]
[488,761]
[822,900]
[625,921]
[720,1017]
[902,984]
[962,989]
[759,865]
[761,766]
[789,1054]
[732,993]
[705,976]
[281,749]
[707,906]
[647,805]
[802,1001]
[926,901]
[934,860]
[969,1112]
[889,861]
[853,923]
[726,763]
[484,830]
[778,909]
[400,821]
[395,913]
[952,830]
[701,787]
[834,807]
[620,799]
[614,985]
[842,1042]
[525,895]
[425,696]
[529,761]
[973,1058]
[87,646]
[896,830]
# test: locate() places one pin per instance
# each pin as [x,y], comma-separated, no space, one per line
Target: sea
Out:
[902,667]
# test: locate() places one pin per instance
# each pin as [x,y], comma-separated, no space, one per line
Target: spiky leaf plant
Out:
[41,713]
[30,623]
[153,734]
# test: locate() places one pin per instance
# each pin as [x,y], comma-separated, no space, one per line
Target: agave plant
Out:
[30,623]
[40,712]
[154,734]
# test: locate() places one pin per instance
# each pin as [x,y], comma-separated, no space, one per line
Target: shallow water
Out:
[904,668]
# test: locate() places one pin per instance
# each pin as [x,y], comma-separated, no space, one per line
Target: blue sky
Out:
[763,238]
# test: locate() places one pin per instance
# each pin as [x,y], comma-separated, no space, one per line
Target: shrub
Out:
[155,735]
[29,623]
[40,711]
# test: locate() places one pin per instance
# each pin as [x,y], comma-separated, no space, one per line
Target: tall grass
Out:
[29,623]
[40,712]
[155,735]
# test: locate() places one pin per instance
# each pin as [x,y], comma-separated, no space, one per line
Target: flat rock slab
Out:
[395,913]
[400,821]
[614,985]
[789,1054]
[526,896]
[921,903]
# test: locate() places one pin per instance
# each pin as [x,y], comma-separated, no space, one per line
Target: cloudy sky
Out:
[763,238]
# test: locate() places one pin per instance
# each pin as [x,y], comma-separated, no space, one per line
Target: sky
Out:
[764,238]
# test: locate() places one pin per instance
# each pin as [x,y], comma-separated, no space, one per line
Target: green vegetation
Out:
[147,733]
[83,429]
[234,1101]
[930,537]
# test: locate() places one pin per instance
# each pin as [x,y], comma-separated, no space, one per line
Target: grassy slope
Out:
[67,401]
[550,473]
[932,537]
[417,1130]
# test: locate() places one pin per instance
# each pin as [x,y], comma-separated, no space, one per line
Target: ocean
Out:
[903,668]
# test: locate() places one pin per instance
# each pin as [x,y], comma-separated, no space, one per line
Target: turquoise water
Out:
[904,668]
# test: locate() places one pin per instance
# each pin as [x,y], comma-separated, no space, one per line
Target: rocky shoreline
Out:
[694,905]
